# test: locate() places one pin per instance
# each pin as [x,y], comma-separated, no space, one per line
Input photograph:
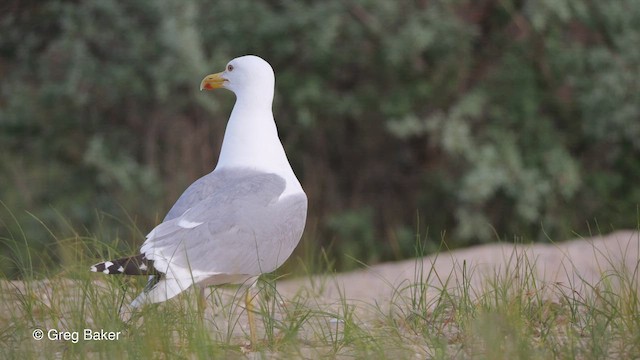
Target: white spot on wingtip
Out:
[106,271]
[108,264]
[94,269]
[186,224]
[121,269]
[143,267]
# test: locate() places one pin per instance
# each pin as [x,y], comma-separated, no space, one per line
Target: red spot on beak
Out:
[208,86]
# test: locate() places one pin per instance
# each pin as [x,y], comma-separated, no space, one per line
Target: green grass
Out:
[511,314]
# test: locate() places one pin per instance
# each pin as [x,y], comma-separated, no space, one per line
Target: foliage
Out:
[494,116]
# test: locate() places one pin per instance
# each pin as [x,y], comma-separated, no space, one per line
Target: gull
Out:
[243,219]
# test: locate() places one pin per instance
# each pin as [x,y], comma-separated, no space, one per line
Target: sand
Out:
[568,264]
[571,267]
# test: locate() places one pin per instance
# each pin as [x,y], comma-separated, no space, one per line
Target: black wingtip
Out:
[134,265]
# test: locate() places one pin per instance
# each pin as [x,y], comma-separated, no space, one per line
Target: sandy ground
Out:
[568,264]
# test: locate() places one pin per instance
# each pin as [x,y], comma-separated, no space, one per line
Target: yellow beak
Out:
[213,81]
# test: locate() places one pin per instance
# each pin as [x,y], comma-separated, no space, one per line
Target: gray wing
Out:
[204,187]
[196,192]
[242,227]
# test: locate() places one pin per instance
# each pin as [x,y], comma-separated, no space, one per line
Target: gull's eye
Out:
[229,67]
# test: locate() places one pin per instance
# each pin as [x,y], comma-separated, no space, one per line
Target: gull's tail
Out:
[133,265]
[158,288]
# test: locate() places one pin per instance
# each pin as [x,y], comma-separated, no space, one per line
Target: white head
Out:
[249,77]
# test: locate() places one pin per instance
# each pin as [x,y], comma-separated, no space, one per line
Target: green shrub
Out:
[485,117]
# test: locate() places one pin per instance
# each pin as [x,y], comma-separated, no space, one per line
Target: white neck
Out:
[251,141]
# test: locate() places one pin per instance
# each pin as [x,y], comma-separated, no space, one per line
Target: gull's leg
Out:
[202,302]
[252,321]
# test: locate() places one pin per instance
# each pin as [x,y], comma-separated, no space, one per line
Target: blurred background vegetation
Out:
[483,119]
